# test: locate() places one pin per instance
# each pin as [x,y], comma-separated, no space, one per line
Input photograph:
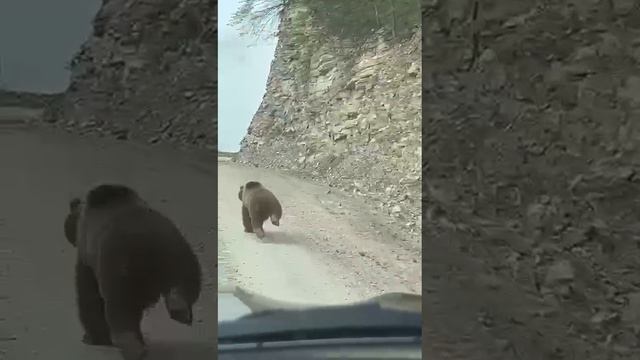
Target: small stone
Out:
[396,209]
[349,124]
[487,56]
[610,45]
[121,134]
[489,281]
[603,317]
[585,52]
[560,271]
[86,124]
[573,237]
[631,90]
[414,69]
[631,312]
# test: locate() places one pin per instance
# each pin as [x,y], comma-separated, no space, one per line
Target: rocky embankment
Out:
[345,114]
[533,147]
[147,72]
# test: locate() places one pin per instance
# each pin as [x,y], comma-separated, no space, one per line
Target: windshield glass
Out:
[319,163]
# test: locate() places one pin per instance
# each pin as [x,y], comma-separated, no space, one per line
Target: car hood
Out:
[231,308]
[235,302]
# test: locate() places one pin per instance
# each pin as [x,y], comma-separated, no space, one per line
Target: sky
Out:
[37,40]
[243,67]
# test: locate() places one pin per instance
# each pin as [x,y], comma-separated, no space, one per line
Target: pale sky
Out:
[243,67]
[37,39]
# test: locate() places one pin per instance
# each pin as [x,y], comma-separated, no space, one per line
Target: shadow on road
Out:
[281,238]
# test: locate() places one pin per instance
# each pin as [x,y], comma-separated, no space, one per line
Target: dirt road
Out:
[39,171]
[327,249]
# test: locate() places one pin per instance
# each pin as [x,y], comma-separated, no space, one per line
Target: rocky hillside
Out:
[533,161]
[345,113]
[147,73]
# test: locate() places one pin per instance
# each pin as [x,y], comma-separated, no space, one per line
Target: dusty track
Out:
[327,250]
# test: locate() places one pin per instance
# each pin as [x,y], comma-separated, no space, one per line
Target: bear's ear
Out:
[74,204]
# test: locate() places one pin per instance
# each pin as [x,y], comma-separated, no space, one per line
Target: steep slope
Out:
[532,146]
[344,113]
[147,72]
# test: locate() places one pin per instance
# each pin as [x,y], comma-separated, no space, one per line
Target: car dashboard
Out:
[360,348]
[359,331]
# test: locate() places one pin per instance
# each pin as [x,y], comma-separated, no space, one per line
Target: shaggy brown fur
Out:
[258,204]
[128,256]
[71,221]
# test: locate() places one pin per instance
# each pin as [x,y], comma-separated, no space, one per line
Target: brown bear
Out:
[71,222]
[128,256]
[258,204]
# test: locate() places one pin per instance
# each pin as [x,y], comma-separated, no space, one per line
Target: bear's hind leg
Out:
[91,307]
[246,220]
